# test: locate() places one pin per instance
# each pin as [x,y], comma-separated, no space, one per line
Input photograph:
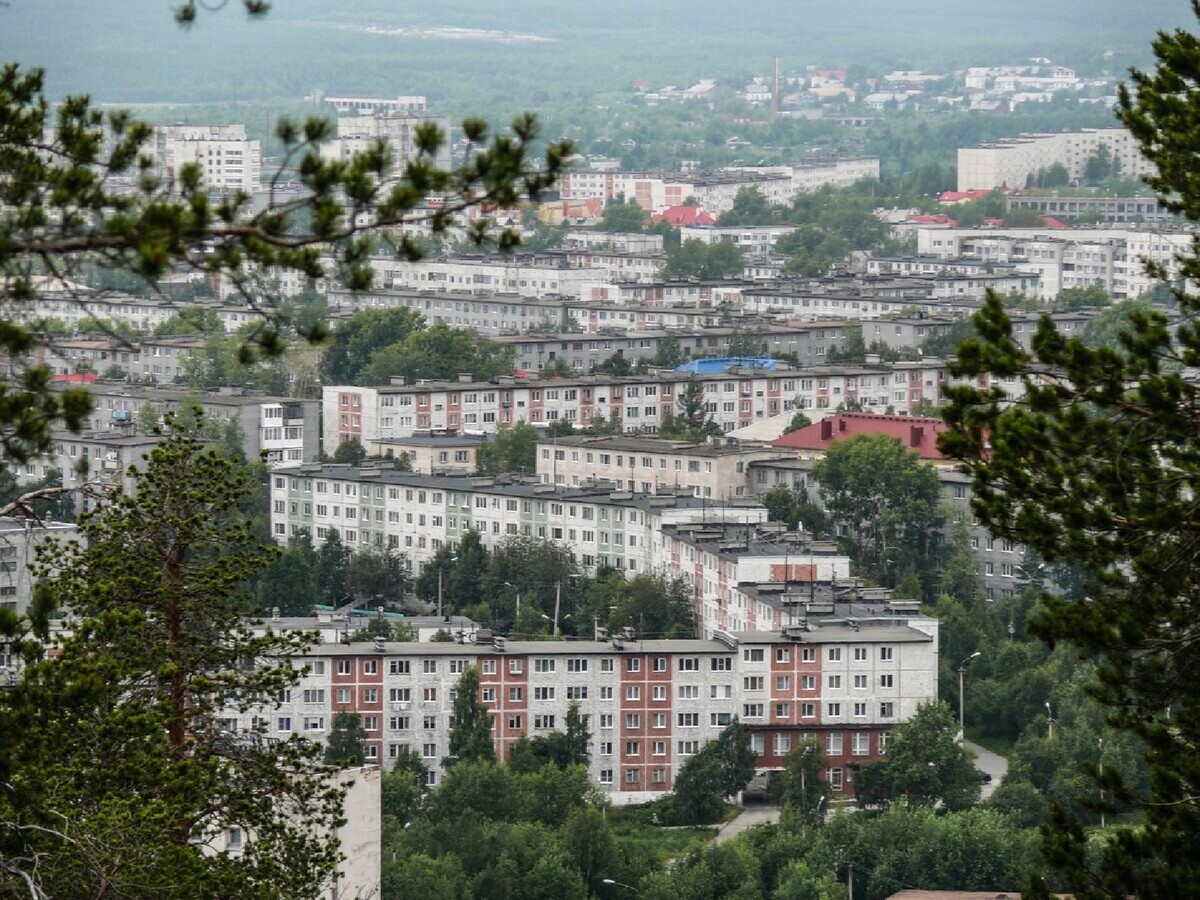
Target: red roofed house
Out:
[917,433]
[937,219]
[950,197]
[690,216]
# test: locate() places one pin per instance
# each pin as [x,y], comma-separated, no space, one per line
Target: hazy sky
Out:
[132,51]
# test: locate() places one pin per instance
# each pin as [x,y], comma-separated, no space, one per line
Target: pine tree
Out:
[1098,468]
[117,763]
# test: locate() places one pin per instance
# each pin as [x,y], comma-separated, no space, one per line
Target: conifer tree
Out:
[1098,467]
[120,769]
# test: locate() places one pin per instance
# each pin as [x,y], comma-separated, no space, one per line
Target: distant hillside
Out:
[132,52]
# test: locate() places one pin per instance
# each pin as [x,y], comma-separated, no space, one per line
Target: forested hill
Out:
[132,52]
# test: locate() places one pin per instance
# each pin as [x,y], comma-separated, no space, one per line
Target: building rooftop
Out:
[736,541]
[915,433]
[529,486]
[632,443]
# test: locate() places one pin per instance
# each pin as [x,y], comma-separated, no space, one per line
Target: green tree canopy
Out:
[130,713]
[471,735]
[888,501]
[623,216]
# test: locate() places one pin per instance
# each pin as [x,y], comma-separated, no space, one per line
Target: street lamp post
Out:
[962,668]
[518,590]
[440,570]
[628,887]
[1049,722]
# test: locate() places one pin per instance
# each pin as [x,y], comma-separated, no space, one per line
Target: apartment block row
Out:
[844,676]
[420,514]
[715,191]
[1011,162]
[733,398]
[1110,258]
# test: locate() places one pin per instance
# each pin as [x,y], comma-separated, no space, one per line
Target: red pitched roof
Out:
[961,196]
[684,215]
[1051,222]
[932,220]
[916,433]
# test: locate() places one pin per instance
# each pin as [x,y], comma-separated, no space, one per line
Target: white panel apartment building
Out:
[228,160]
[715,191]
[1112,258]
[715,468]
[512,275]
[1010,162]
[845,678]
[419,514]
[807,177]
[357,133]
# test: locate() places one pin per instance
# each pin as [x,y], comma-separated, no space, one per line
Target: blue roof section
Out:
[722,363]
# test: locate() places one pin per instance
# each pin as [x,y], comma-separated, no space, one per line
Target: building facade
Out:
[845,677]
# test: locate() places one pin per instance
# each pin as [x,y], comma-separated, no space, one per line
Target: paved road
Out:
[750,815]
[987,761]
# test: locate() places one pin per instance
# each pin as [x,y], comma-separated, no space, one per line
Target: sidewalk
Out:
[750,815]
[987,761]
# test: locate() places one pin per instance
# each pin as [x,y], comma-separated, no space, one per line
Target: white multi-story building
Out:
[417,515]
[357,133]
[19,539]
[228,160]
[845,675]
[713,468]
[1011,162]
[1112,258]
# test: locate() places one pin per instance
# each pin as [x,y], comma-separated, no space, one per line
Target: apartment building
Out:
[1106,209]
[278,430]
[418,514]
[227,159]
[432,454]
[491,314]
[622,242]
[860,298]
[1011,162]
[358,133]
[521,275]
[365,106]
[712,191]
[99,460]
[20,536]
[715,191]
[1112,258]
[611,264]
[712,468]
[845,676]
[674,294]
[734,398]
[809,342]
[755,241]
[756,578]
[813,174]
